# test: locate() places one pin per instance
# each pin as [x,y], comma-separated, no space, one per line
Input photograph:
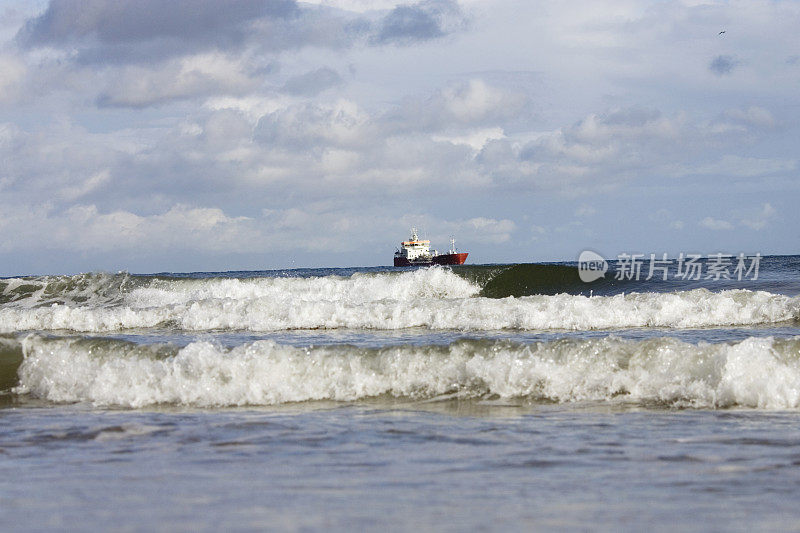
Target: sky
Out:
[199,135]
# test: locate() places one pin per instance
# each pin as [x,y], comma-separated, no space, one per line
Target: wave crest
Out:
[756,372]
[434,298]
[697,308]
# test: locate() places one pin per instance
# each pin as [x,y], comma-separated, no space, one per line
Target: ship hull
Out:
[443,259]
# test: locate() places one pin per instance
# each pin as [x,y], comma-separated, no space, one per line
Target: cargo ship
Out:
[417,252]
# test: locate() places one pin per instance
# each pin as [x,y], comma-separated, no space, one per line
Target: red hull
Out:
[444,259]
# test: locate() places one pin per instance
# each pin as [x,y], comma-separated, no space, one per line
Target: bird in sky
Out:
[720,33]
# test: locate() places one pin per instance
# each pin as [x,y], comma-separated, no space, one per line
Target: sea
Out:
[467,398]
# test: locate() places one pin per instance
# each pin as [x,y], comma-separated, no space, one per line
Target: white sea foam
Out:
[357,289]
[756,372]
[432,298]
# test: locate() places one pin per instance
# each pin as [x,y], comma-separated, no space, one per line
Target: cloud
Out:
[461,107]
[753,117]
[339,124]
[745,167]
[249,152]
[316,227]
[756,219]
[203,48]
[715,224]
[190,76]
[475,139]
[759,219]
[107,32]
[127,30]
[722,65]
[14,71]
[426,20]
[57,164]
[604,150]
[477,101]
[312,83]
[358,6]
[84,227]
[664,217]
[482,229]
[632,122]
[599,151]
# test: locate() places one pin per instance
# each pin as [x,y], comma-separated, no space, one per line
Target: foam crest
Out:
[389,302]
[757,372]
[360,288]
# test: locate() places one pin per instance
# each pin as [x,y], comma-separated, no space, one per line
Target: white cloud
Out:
[341,124]
[252,106]
[186,77]
[90,184]
[753,116]
[477,101]
[665,217]
[475,139]
[759,219]
[585,211]
[13,73]
[536,233]
[715,224]
[316,228]
[359,6]
[483,229]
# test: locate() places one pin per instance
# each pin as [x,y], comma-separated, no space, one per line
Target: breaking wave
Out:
[434,298]
[756,372]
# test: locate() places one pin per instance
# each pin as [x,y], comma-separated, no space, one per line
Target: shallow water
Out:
[397,465]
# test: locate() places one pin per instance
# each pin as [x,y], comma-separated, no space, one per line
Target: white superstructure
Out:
[415,249]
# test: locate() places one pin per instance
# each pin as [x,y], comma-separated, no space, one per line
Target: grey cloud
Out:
[722,65]
[136,30]
[125,21]
[621,123]
[631,116]
[419,22]
[148,53]
[628,143]
[147,31]
[752,118]
[312,83]
[302,127]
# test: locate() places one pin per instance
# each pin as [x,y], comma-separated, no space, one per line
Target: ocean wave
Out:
[434,298]
[102,289]
[94,289]
[756,372]
[697,308]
